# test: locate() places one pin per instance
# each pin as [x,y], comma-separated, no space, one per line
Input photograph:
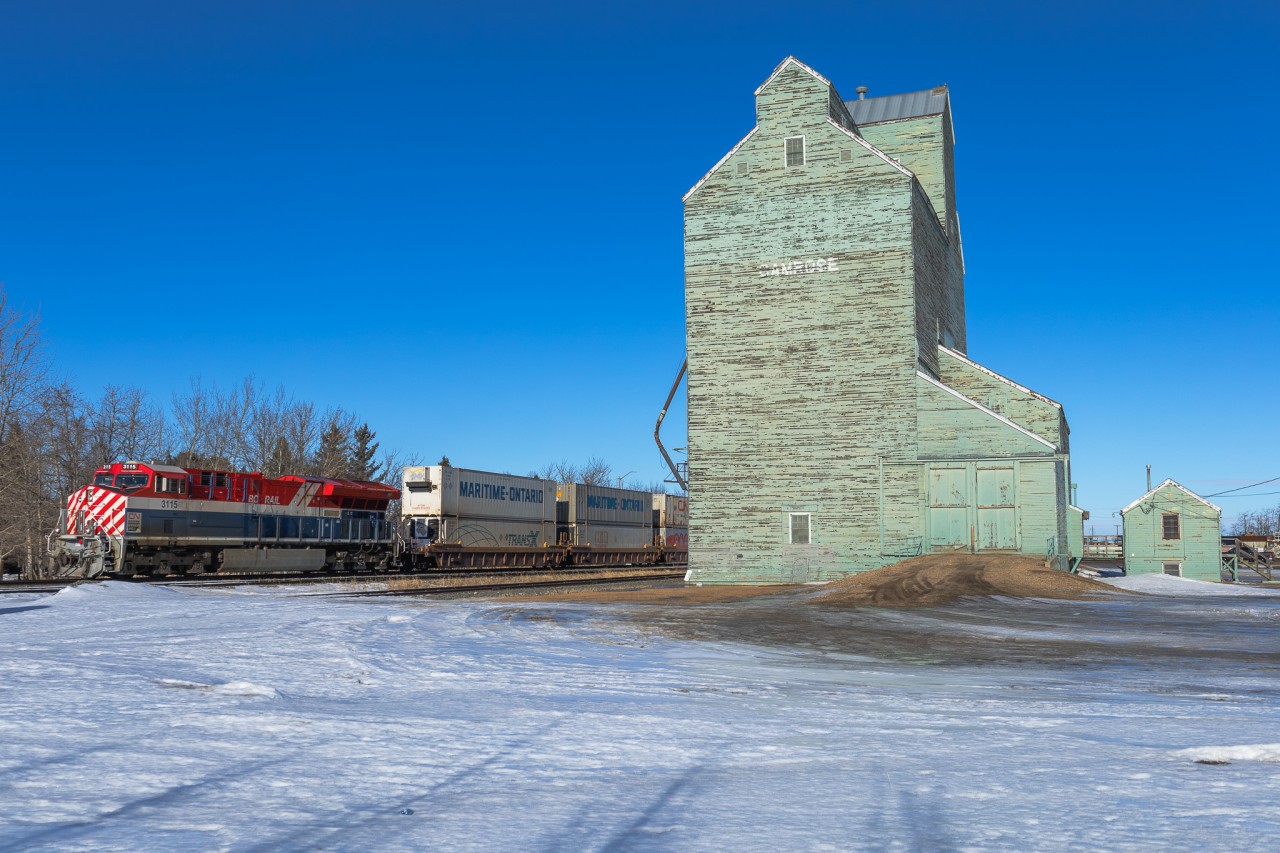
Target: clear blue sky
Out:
[463,222]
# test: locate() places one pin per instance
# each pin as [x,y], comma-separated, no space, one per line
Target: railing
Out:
[1237,555]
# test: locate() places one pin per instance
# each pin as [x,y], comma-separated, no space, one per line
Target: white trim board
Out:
[791,60]
[1178,486]
[975,404]
[1006,380]
[874,150]
[716,167]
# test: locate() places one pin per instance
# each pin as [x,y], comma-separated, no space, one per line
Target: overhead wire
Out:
[1242,488]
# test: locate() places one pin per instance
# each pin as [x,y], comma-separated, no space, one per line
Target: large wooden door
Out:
[997,510]
[948,508]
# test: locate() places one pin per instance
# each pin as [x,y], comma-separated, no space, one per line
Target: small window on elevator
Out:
[800,528]
[795,150]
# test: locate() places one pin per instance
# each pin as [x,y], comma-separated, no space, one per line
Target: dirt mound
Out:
[675,594]
[942,578]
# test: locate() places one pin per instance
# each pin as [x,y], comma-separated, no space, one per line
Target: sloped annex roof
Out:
[1177,486]
[926,102]
[964,359]
[987,411]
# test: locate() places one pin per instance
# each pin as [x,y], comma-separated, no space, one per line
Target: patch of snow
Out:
[135,717]
[230,688]
[1160,584]
[1269,752]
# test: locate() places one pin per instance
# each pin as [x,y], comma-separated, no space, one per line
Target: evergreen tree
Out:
[333,455]
[364,452]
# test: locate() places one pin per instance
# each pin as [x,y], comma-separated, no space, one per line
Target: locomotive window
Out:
[171,486]
[220,481]
[206,479]
[130,481]
[102,480]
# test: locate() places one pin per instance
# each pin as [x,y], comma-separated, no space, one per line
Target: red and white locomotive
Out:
[140,519]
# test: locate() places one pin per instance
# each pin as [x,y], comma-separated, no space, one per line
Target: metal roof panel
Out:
[926,102]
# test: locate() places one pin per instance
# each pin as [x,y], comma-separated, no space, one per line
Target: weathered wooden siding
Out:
[1043,509]
[902,516]
[1023,407]
[939,283]
[796,379]
[952,428]
[925,145]
[814,294]
[1198,548]
[1075,532]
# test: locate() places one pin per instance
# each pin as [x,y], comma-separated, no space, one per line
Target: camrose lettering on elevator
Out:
[811,265]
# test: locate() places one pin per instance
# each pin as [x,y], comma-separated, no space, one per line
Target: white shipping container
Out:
[673,510]
[606,505]
[479,508]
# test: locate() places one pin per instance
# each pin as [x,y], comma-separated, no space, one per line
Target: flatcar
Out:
[141,519]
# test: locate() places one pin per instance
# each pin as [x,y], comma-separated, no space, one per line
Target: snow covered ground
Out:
[143,718]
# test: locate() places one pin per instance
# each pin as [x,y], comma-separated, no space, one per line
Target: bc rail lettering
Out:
[488,492]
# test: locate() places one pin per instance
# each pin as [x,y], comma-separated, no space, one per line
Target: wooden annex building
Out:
[836,424]
[1173,530]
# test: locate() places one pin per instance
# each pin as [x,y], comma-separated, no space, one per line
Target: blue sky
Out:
[466,225]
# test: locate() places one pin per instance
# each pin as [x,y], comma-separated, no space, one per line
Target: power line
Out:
[1258,495]
[1242,488]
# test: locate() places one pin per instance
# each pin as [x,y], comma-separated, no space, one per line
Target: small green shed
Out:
[1173,530]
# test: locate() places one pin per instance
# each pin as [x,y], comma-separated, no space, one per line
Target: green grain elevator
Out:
[1173,530]
[836,424]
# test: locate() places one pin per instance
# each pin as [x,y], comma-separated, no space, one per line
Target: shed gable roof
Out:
[1177,486]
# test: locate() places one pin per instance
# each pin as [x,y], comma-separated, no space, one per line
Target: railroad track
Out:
[565,578]
[491,587]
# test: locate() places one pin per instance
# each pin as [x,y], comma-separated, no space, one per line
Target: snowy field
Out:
[142,718]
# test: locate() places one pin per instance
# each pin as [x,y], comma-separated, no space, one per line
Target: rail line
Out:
[491,587]
[565,578]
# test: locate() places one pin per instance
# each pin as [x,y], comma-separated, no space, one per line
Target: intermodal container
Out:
[480,508]
[672,510]
[604,517]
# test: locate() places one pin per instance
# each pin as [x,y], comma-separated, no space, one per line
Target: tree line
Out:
[1261,522]
[53,436]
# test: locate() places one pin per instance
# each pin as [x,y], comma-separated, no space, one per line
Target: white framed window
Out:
[794,150]
[800,528]
[1170,527]
[1174,569]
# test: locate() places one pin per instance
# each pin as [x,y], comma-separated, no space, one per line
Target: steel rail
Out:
[441,590]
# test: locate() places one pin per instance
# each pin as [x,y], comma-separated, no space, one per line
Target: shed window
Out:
[800,523]
[1170,523]
[795,150]
[1174,569]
